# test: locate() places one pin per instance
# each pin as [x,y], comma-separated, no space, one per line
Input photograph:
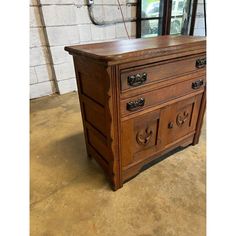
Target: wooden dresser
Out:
[140,99]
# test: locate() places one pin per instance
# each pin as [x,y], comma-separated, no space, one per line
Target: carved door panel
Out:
[140,137]
[179,120]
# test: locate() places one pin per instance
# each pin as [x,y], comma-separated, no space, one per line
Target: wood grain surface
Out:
[140,99]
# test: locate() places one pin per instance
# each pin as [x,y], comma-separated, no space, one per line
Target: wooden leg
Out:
[116,186]
[116,182]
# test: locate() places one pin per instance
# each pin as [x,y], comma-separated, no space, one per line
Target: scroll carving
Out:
[181,118]
[143,138]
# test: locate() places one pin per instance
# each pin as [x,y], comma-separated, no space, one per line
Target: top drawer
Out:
[141,75]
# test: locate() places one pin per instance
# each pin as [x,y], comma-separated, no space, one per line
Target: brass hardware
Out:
[197,84]
[135,105]
[136,80]
[201,63]
[170,125]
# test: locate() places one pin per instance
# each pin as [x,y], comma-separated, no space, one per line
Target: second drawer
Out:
[162,95]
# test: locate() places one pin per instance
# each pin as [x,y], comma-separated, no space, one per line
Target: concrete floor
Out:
[71,197]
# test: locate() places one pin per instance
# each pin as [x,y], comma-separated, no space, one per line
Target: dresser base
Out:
[132,172]
[156,161]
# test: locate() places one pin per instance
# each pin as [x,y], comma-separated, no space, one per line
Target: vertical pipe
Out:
[47,46]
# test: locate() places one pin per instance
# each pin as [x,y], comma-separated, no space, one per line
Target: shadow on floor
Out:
[72,149]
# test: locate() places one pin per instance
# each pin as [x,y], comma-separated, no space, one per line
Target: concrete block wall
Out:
[56,23]
[41,76]
[67,22]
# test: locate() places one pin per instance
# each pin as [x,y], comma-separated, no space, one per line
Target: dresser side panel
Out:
[97,94]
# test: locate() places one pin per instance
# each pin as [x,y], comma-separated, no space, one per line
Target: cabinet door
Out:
[179,120]
[140,137]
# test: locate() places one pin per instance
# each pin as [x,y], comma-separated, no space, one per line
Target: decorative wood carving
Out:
[143,138]
[181,118]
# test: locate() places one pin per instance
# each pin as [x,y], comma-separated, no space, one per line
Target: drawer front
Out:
[158,96]
[153,132]
[143,75]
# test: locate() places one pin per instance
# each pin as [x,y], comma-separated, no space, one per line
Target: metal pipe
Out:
[103,23]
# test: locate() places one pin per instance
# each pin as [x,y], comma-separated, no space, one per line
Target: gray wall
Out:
[67,23]
[57,23]
[41,76]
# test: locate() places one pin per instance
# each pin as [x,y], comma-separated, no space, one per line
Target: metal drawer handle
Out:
[201,63]
[135,105]
[197,84]
[136,80]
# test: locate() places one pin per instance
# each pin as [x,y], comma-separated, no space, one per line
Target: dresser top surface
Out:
[123,49]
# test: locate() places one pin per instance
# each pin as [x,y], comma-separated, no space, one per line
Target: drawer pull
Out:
[135,105]
[201,63]
[136,80]
[197,84]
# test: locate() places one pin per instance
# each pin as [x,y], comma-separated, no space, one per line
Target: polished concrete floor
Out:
[71,197]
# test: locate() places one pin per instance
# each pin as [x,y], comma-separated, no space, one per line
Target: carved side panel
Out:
[98,98]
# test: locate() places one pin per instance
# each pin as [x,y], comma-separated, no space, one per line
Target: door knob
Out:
[170,125]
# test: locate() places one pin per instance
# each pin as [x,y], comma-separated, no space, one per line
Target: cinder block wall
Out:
[56,23]
[41,76]
[66,22]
